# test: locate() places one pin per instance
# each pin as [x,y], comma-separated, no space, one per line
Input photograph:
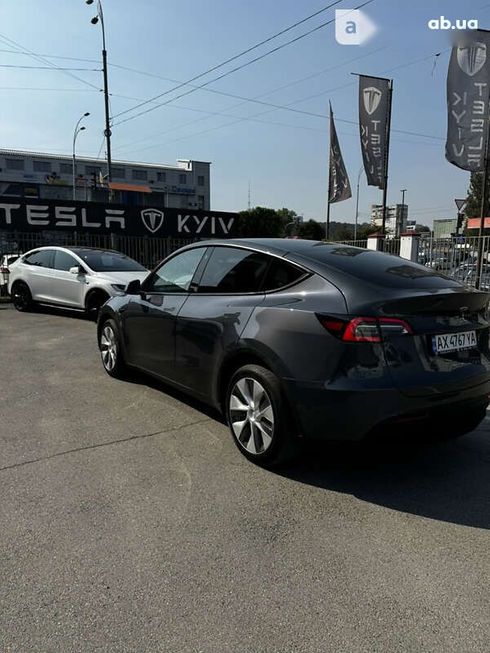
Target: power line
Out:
[323,116]
[92,70]
[269,92]
[233,70]
[10,42]
[233,58]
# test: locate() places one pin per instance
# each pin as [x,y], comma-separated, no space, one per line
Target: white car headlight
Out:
[120,287]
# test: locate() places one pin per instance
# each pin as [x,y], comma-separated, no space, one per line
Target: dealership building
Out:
[41,176]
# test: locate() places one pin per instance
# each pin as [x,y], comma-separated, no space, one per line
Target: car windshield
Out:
[101,261]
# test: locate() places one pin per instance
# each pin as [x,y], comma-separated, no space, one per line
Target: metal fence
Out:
[456,257]
[145,249]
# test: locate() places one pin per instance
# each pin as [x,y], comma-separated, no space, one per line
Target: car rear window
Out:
[379,268]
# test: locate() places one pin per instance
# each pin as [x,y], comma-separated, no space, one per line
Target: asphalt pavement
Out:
[129,522]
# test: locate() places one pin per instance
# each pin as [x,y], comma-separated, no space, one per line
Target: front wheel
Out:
[259,417]
[110,350]
[21,297]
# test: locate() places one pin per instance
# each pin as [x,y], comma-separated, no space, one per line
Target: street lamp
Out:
[78,129]
[107,132]
[403,191]
[357,201]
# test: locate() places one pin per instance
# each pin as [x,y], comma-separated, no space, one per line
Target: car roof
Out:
[281,246]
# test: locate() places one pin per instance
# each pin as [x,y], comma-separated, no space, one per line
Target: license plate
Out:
[446,342]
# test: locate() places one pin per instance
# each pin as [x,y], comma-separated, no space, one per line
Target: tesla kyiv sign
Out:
[35,215]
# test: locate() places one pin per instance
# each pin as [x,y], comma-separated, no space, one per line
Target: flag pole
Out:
[483,207]
[387,154]
[327,230]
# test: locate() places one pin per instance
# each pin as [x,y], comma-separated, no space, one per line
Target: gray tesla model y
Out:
[295,339]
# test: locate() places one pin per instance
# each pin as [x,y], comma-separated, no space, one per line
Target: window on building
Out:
[89,170]
[140,175]
[182,179]
[14,164]
[118,173]
[200,201]
[67,168]
[41,166]
[200,180]
[161,176]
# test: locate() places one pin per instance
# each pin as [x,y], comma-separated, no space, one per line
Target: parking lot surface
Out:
[130,522]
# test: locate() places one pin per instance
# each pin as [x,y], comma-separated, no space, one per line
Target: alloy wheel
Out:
[108,348]
[20,297]
[251,415]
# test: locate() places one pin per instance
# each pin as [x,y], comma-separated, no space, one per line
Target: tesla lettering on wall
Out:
[94,217]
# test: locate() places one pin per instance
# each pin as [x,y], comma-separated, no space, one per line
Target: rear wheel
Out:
[22,297]
[462,426]
[259,417]
[111,351]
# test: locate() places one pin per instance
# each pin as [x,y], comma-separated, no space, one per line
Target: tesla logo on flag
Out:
[152,219]
[472,59]
[372,97]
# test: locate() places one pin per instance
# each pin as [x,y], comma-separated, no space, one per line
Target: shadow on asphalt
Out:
[444,480]
[447,481]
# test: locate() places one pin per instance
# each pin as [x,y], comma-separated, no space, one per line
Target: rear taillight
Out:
[364,329]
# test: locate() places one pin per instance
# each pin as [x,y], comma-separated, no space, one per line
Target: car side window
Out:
[41,259]
[64,261]
[175,276]
[281,274]
[231,270]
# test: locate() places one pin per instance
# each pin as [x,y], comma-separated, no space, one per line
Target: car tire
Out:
[462,426]
[94,302]
[22,297]
[111,351]
[259,417]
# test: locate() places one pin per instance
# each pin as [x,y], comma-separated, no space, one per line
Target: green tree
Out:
[311,230]
[365,229]
[474,199]
[422,228]
[261,222]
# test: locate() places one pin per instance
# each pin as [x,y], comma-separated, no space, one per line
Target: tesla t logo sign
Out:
[372,97]
[152,219]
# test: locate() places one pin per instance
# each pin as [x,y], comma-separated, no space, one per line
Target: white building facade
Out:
[396,218]
[36,175]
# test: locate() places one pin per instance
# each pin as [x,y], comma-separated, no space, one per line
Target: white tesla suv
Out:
[81,278]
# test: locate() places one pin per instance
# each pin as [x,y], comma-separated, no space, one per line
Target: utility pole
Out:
[387,156]
[107,131]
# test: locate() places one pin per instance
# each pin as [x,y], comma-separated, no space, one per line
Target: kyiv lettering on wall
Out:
[109,218]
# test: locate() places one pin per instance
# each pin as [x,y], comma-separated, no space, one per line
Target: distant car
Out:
[294,338]
[6,261]
[80,278]
[440,263]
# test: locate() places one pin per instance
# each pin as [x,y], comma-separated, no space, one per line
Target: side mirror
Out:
[133,287]
[77,269]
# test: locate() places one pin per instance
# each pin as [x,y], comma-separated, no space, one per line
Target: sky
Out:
[282,155]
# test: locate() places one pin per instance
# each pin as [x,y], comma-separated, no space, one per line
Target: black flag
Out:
[338,180]
[374,115]
[468,81]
